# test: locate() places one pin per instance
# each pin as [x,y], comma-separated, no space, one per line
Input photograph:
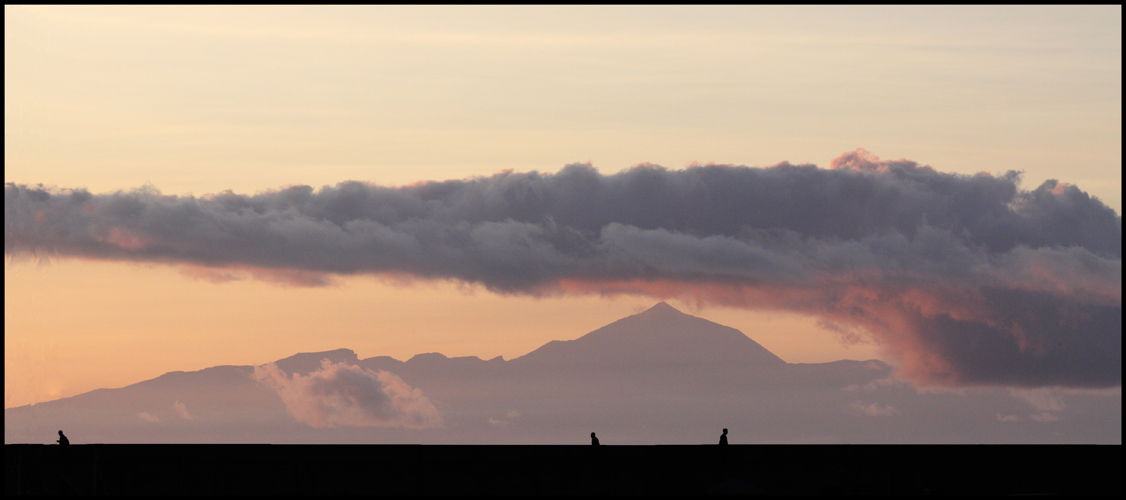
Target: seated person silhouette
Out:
[593,439]
[62,439]
[723,438]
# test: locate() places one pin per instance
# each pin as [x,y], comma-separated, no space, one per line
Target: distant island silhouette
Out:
[656,377]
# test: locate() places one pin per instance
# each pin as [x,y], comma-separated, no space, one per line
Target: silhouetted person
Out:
[723,438]
[593,439]
[62,439]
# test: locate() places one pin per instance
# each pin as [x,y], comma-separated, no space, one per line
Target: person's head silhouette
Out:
[725,431]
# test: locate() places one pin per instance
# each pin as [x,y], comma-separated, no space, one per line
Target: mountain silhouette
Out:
[660,376]
[659,337]
[307,362]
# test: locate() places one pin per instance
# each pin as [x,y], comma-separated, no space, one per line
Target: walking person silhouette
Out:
[593,440]
[62,439]
[723,438]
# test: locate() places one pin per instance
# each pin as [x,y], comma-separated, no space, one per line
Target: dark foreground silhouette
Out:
[492,469]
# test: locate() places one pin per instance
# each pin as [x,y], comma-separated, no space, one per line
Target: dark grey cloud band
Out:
[967,279]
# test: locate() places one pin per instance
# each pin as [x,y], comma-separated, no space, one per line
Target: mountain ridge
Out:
[555,353]
[682,376]
[660,335]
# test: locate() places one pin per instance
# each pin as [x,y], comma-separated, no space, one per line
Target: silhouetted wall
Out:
[403,469]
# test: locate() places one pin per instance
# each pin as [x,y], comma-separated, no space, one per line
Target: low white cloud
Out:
[182,411]
[880,382]
[343,395]
[1041,399]
[872,410]
[1044,417]
[148,417]
[1046,403]
[502,422]
[876,384]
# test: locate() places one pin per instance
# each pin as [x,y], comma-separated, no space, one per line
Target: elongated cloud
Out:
[967,279]
[341,395]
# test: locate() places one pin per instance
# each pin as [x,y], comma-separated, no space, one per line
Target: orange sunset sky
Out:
[202,100]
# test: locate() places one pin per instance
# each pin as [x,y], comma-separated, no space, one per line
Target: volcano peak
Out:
[661,335]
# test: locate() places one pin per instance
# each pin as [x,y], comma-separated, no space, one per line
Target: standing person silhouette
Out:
[62,439]
[723,438]
[593,440]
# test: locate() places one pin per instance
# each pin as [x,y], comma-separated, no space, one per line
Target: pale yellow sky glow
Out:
[199,100]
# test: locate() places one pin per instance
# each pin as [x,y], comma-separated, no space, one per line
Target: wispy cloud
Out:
[182,411]
[1047,403]
[872,409]
[967,280]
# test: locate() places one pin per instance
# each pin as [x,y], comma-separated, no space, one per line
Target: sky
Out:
[188,187]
